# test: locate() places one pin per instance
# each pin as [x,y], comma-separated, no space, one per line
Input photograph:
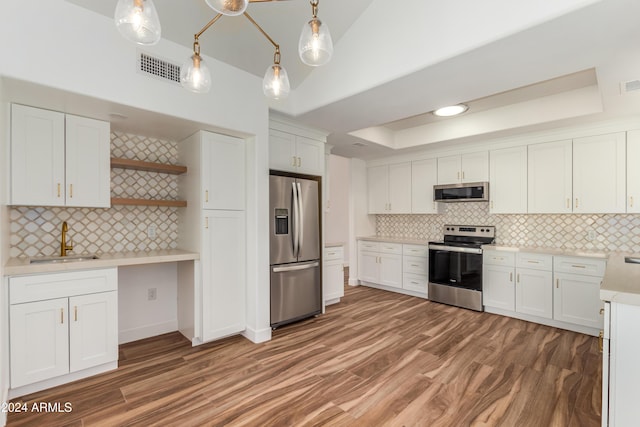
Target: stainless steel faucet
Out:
[63,240]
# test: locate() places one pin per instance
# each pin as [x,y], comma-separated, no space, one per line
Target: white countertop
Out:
[16,266]
[388,239]
[550,251]
[621,281]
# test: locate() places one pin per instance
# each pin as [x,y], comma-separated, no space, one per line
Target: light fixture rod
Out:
[264,33]
[206,27]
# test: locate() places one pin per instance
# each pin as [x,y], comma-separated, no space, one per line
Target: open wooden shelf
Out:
[147,166]
[146,202]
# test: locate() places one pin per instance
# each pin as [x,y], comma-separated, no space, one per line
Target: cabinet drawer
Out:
[534,261]
[415,282]
[334,252]
[59,285]
[415,250]
[499,258]
[391,248]
[579,265]
[416,265]
[366,245]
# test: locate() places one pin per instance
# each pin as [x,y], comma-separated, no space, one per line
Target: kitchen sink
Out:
[632,260]
[63,259]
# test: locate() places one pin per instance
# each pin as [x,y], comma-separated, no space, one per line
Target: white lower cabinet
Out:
[333,274]
[62,323]
[415,268]
[498,289]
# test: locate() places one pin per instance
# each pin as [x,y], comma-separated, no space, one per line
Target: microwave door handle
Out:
[301,220]
[295,220]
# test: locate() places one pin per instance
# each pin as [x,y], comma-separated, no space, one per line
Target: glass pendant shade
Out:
[276,82]
[228,7]
[195,75]
[315,45]
[137,20]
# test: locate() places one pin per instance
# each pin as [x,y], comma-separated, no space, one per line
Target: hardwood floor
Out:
[377,358]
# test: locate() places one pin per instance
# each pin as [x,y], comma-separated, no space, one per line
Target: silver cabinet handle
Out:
[578,266]
[631,201]
[557,283]
[299,162]
[511,277]
[518,278]
[62,315]
[293,161]
[576,202]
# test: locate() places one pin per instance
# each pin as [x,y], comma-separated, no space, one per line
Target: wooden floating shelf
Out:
[147,166]
[146,202]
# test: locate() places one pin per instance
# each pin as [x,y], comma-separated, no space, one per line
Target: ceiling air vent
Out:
[158,68]
[632,86]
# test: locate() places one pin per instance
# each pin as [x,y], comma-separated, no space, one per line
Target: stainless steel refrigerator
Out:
[296,286]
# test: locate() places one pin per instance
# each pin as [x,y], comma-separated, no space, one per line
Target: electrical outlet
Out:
[152,294]
[151,231]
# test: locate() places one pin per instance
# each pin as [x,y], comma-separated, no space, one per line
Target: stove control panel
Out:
[470,231]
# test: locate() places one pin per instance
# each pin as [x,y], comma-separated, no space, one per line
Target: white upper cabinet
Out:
[424,175]
[51,166]
[223,172]
[599,181]
[633,171]
[295,153]
[469,167]
[549,177]
[508,180]
[389,188]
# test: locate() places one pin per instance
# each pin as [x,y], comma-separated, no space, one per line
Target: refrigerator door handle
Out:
[295,267]
[301,213]
[296,220]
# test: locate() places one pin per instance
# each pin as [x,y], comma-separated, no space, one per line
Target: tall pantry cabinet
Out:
[214,225]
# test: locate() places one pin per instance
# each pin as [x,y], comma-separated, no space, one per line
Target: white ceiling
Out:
[519,64]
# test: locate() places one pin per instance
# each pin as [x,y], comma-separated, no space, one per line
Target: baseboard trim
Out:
[587,330]
[257,336]
[354,282]
[147,331]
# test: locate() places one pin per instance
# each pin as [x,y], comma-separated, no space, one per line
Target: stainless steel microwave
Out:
[467,192]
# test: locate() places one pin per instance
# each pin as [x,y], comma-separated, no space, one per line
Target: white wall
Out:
[360,222]
[4,252]
[337,215]
[74,50]
[138,317]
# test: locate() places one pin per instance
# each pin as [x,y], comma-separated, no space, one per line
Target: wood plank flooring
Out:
[376,359]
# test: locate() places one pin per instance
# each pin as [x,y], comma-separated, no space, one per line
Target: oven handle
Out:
[456,249]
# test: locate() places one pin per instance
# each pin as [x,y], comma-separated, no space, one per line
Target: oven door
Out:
[456,266]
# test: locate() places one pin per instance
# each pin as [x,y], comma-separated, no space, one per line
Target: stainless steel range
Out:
[455,265]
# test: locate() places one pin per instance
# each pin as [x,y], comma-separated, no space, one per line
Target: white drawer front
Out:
[534,261]
[391,248]
[499,258]
[336,252]
[366,245]
[416,265]
[579,265]
[415,282]
[415,250]
[58,285]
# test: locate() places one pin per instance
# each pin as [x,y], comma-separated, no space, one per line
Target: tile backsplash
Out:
[610,232]
[35,231]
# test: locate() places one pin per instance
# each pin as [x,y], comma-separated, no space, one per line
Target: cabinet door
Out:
[378,189]
[449,170]
[498,289]
[223,274]
[549,177]
[334,280]
[37,157]
[474,167]
[599,182]
[633,171]
[39,341]
[400,188]
[576,299]
[223,172]
[391,270]
[310,155]
[87,162]
[534,292]
[508,180]
[368,270]
[424,175]
[93,330]
[282,151]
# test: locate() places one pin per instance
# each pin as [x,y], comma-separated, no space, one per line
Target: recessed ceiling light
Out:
[451,110]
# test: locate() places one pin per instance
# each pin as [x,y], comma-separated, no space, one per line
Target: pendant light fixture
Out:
[194,73]
[315,45]
[275,84]
[228,7]
[137,20]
